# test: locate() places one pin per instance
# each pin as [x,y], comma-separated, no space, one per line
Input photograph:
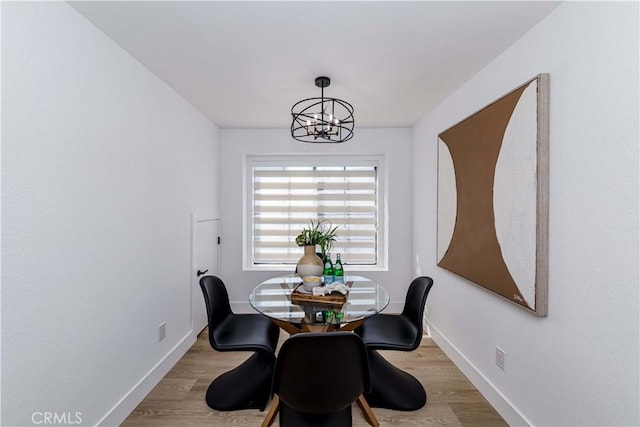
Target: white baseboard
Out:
[128,403]
[501,404]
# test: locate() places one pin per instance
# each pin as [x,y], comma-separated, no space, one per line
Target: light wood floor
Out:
[178,400]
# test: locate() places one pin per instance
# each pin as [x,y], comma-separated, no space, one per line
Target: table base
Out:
[296,329]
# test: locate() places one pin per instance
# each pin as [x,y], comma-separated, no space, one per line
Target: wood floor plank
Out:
[178,400]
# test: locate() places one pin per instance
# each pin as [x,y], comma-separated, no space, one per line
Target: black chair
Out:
[391,387]
[248,385]
[317,378]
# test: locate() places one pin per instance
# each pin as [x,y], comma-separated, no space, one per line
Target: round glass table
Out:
[273,298]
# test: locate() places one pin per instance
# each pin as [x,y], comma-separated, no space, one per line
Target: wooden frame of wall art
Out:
[493,170]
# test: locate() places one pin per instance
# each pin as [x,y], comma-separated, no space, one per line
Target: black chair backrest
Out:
[415,303]
[216,300]
[321,373]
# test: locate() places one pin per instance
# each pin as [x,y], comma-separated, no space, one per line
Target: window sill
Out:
[291,268]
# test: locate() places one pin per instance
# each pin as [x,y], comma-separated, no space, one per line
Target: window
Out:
[284,194]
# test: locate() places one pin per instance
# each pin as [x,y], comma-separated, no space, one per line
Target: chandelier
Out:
[322,120]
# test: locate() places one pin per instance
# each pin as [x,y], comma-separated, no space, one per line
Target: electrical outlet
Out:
[162,331]
[501,356]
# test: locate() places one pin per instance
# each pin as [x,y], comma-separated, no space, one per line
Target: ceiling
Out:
[244,64]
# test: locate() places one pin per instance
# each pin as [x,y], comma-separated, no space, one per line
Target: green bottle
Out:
[328,270]
[338,271]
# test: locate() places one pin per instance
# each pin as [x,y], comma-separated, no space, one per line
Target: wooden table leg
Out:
[286,326]
[367,412]
[273,411]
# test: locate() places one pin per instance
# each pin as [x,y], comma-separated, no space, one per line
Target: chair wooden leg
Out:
[273,411]
[367,412]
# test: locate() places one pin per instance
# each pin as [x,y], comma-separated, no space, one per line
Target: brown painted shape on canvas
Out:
[474,251]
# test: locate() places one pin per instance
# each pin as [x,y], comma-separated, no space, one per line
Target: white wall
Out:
[394,144]
[579,365]
[102,165]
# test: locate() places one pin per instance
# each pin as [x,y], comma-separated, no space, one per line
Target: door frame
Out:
[197,217]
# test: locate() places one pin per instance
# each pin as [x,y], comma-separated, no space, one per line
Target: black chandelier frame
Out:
[322,120]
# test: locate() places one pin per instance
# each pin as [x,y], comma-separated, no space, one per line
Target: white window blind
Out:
[285,198]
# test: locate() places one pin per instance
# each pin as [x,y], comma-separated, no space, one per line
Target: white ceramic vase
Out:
[310,264]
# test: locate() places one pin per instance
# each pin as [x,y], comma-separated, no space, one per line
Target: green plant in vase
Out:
[321,233]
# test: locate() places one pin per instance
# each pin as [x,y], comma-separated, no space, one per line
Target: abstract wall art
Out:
[493,196]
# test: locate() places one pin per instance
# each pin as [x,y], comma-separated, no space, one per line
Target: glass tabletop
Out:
[273,299]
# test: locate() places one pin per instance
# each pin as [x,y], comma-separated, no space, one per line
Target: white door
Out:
[205,262]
